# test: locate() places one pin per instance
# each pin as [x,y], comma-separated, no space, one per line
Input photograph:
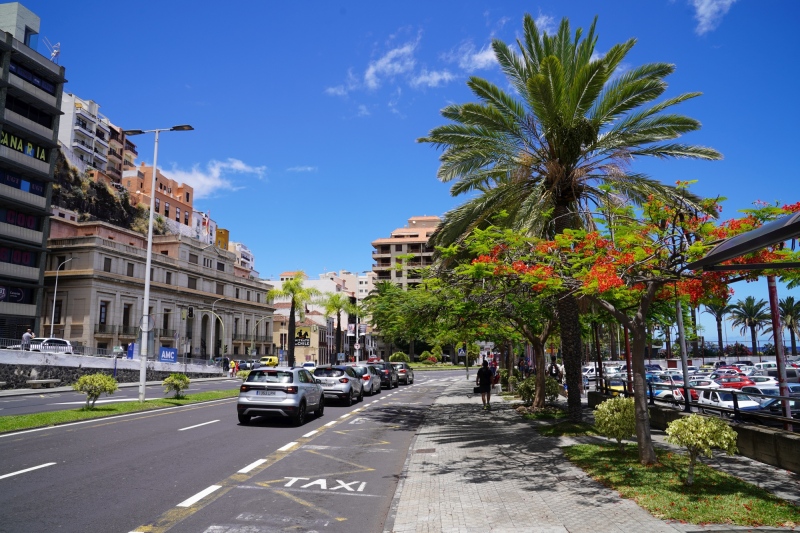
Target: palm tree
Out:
[299,296]
[336,303]
[718,310]
[790,316]
[752,315]
[543,159]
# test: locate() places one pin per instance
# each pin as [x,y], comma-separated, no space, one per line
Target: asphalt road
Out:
[59,401]
[195,469]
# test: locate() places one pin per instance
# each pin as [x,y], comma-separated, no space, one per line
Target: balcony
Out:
[101,140]
[84,128]
[241,337]
[114,172]
[114,153]
[128,331]
[164,332]
[129,147]
[100,155]
[381,266]
[104,329]
[127,163]
[83,146]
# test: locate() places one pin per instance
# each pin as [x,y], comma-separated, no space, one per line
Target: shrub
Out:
[699,434]
[93,385]
[503,377]
[428,361]
[438,352]
[616,419]
[551,389]
[527,389]
[177,383]
[399,357]
[512,383]
[242,374]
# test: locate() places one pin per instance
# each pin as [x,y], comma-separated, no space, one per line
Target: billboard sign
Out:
[168,355]
[302,337]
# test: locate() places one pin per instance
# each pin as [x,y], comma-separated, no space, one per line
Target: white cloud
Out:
[208,181]
[470,58]
[363,111]
[432,79]
[546,24]
[396,61]
[339,90]
[301,169]
[394,101]
[709,13]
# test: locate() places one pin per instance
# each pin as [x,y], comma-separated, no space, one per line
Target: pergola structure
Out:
[777,231]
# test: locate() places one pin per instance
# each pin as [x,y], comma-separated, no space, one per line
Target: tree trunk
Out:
[753,340]
[338,337]
[567,306]
[647,454]
[291,334]
[612,342]
[598,379]
[794,341]
[719,335]
[695,347]
[540,365]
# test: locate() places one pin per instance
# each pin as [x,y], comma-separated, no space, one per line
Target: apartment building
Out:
[30,91]
[399,257]
[122,154]
[99,298]
[244,257]
[173,200]
[85,131]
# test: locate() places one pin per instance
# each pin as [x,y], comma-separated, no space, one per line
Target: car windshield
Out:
[728,397]
[269,376]
[360,370]
[38,339]
[329,372]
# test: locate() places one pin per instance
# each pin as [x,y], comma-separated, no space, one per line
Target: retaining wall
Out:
[16,367]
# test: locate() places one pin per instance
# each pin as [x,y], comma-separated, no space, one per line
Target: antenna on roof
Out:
[54,49]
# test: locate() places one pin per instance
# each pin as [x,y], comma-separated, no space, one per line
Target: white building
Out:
[84,131]
[244,257]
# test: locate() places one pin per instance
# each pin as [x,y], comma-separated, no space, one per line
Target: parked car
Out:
[706,383]
[269,360]
[310,366]
[404,373]
[589,372]
[279,391]
[764,380]
[792,374]
[724,398]
[652,366]
[340,382]
[734,382]
[755,389]
[389,376]
[370,378]
[664,391]
[763,367]
[743,363]
[46,344]
[773,407]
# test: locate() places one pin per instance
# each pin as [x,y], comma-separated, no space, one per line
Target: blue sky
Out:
[307,113]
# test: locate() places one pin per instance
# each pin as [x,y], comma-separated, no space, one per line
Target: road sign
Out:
[462,352]
[357,346]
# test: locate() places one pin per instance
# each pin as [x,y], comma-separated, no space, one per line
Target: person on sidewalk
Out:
[26,340]
[484,382]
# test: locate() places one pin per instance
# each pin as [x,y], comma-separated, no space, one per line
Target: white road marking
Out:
[199,496]
[330,424]
[251,466]
[310,433]
[287,447]
[376,401]
[198,425]
[345,415]
[26,470]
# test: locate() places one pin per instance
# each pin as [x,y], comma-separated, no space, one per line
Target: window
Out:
[166,209]
[246,325]
[192,283]
[398,247]
[165,321]
[187,198]
[103,313]
[235,326]
[237,292]
[193,259]
[220,266]
[107,264]
[248,296]
[258,297]
[220,289]
[28,111]
[186,218]
[130,270]
[57,312]
[177,214]
[59,260]
[152,273]
[158,205]
[207,262]
[126,314]
[168,279]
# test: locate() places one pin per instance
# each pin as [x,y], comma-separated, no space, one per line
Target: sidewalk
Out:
[469,470]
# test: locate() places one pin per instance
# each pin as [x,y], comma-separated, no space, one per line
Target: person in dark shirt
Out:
[484,382]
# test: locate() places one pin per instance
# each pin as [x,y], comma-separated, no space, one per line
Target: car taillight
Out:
[402,370]
[244,388]
[344,380]
[366,377]
[291,390]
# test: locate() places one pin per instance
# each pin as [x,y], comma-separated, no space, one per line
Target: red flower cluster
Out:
[606,275]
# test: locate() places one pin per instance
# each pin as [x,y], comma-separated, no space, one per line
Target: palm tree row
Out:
[754,316]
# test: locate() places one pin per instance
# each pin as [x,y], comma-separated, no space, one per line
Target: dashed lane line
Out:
[252,465]
[287,447]
[310,433]
[199,425]
[329,424]
[199,496]
[31,469]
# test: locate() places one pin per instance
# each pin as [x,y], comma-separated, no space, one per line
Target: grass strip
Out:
[566,429]
[52,418]
[715,497]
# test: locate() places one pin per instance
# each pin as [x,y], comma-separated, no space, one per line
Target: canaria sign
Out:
[21,145]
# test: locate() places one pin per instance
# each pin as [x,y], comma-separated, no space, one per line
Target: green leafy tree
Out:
[752,315]
[399,357]
[541,158]
[616,419]
[790,318]
[699,434]
[336,303]
[93,385]
[299,296]
[176,383]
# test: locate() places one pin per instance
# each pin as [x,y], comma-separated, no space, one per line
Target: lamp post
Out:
[55,292]
[145,324]
[214,326]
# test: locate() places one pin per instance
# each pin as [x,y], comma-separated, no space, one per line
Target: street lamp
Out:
[145,325]
[55,292]
[214,326]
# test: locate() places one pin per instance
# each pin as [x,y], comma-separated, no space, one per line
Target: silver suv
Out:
[341,382]
[280,391]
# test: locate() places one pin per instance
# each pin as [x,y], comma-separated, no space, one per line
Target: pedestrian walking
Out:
[237,367]
[484,382]
[26,340]
[226,366]
[553,371]
[231,368]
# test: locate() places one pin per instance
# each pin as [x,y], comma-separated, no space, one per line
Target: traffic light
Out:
[191,312]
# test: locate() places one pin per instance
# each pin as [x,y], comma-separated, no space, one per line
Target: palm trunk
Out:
[753,340]
[291,334]
[719,335]
[598,380]
[695,347]
[338,336]
[539,357]
[647,454]
[794,341]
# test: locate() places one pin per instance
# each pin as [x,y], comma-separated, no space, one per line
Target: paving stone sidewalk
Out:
[472,471]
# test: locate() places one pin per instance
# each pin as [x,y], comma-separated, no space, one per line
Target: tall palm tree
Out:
[543,159]
[790,319]
[718,310]
[749,314]
[336,303]
[299,296]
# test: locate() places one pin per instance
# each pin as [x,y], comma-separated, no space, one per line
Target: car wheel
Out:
[244,419]
[321,407]
[360,395]
[412,381]
[300,417]
[380,388]
[349,401]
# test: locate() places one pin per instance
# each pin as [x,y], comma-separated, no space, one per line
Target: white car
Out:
[766,381]
[46,344]
[723,398]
